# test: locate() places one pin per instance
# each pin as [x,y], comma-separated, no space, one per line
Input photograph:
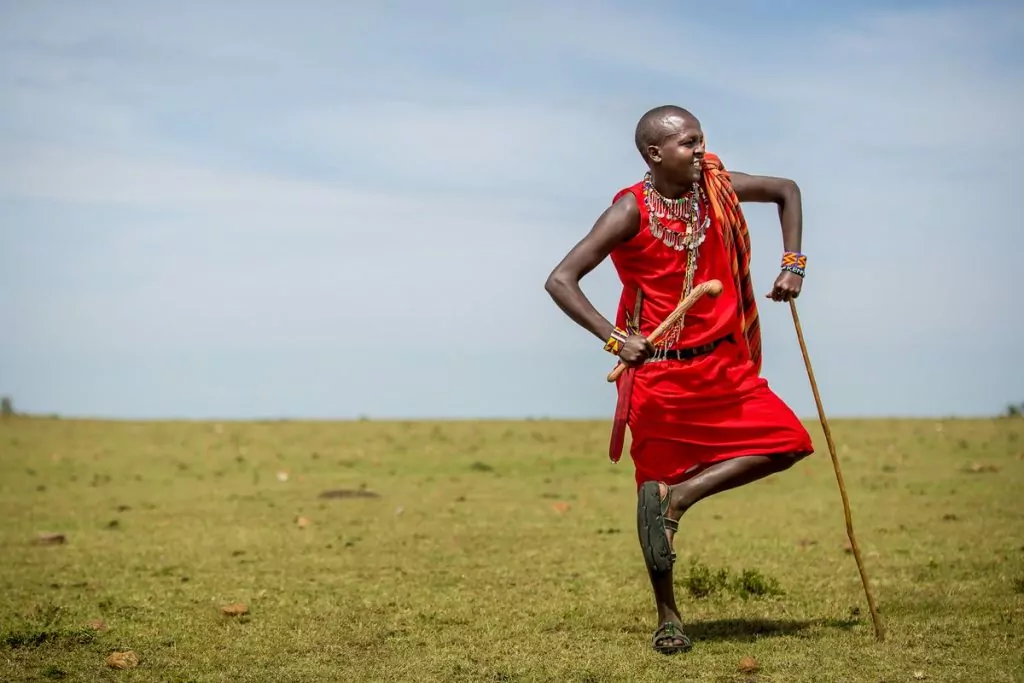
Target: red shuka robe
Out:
[691,413]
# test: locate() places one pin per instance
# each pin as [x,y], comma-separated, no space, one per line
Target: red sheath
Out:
[625,388]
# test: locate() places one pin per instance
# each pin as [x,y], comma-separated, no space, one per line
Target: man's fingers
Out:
[782,294]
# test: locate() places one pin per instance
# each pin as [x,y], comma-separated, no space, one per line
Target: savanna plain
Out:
[495,551]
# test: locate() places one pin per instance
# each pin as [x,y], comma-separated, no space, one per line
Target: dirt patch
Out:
[348,493]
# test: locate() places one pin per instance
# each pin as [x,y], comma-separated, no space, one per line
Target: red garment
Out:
[689,413]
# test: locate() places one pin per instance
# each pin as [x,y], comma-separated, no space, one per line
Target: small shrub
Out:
[753,583]
[701,581]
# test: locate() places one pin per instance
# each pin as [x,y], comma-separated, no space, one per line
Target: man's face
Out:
[681,152]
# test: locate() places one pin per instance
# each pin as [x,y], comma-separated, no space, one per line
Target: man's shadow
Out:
[748,630]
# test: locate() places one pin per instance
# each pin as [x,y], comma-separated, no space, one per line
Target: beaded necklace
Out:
[686,209]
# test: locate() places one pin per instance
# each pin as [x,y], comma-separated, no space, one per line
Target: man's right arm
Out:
[618,223]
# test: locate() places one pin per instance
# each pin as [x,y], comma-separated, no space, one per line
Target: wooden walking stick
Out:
[712,287]
[879,629]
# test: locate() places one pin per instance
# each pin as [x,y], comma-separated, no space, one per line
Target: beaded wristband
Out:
[615,341]
[794,262]
[793,258]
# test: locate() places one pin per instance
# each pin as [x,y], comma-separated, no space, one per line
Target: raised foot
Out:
[669,639]
[652,525]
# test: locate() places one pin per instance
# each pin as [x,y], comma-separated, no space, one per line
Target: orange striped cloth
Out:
[736,236]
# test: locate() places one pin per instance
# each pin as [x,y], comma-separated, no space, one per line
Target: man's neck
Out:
[669,189]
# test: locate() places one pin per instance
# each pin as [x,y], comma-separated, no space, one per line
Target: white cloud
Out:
[482,145]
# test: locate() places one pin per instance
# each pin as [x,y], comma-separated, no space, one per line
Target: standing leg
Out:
[659,509]
[655,528]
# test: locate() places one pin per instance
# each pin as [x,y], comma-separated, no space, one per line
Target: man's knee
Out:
[787,460]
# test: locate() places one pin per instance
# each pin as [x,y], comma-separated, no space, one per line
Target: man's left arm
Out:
[785,194]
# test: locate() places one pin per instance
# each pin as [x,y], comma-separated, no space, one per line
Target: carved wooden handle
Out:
[712,287]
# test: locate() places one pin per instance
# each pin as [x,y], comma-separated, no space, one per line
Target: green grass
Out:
[496,552]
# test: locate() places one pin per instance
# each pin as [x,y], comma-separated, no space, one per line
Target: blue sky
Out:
[323,209]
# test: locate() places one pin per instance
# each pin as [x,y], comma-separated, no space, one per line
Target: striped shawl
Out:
[736,235]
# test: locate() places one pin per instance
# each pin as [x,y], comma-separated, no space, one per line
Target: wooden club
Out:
[711,287]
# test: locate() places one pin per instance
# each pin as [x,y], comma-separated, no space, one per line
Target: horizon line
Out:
[41,416]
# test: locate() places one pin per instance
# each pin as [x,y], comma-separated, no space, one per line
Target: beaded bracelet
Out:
[794,262]
[615,341]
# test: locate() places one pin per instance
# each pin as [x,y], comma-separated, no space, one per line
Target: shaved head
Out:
[655,126]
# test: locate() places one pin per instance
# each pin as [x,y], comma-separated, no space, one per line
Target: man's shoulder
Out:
[626,212]
[628,204]
[629,195]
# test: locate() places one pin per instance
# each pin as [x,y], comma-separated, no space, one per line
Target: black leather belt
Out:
[690,352]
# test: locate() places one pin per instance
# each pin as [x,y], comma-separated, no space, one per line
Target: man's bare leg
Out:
[717,478]
[723,476]
[669,637]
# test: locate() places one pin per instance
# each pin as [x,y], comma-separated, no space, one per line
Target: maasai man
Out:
[701,417]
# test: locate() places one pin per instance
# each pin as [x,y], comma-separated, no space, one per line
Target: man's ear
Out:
[653,153]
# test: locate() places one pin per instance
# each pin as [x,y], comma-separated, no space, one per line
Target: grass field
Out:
[495,552]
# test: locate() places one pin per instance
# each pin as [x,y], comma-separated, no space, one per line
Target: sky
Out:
[334,210]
